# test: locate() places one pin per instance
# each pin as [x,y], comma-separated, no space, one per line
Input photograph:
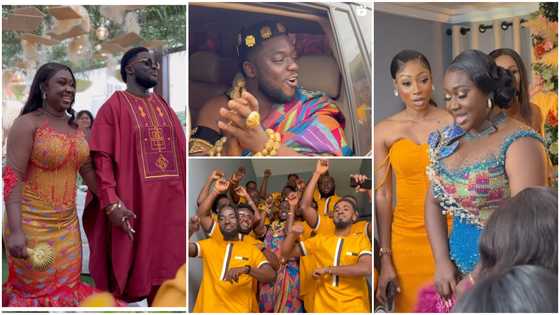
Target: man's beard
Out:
[243,231]
[341,224]
[275,95]
[327,194]
[229,235]
[146,82]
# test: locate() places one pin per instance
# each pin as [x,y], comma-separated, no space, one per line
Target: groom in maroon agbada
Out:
[137,228]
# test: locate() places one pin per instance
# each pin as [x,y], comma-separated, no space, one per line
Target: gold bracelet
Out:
[385,251]
[218,147]
[113,207]
[199,146]
[272,145]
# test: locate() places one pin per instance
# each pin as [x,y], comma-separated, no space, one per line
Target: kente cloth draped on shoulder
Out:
[310,124]
[138,146]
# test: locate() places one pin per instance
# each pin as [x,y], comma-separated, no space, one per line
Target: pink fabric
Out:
[429,301]
[64,296]
[10,180]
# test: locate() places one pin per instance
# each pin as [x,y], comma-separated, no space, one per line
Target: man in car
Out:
[267,112]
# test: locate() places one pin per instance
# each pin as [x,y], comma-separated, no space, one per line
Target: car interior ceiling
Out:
[211,69]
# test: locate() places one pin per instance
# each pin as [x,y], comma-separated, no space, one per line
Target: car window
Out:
[354,52]
[363,14]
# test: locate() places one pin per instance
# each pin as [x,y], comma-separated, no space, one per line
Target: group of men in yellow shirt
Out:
[334,250]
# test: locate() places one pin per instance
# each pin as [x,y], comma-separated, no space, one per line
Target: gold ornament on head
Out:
[266,33]
[250,41]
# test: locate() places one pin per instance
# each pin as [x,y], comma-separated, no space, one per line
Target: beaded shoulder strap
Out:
[524,133]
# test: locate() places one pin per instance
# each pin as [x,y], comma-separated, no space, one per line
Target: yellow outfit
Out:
[412,253]
[325,205]
[216,234]
[216,294]
[546,101]
[173,293]
[337,294]
[307,264]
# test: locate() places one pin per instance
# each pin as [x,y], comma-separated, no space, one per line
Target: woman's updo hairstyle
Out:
[495,81]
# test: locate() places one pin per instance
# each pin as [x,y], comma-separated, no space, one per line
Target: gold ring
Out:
[253,120]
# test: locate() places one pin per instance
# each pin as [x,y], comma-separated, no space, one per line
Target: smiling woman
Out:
[482,159]
[45,150]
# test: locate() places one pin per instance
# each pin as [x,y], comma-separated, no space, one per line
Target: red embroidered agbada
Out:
[138,146]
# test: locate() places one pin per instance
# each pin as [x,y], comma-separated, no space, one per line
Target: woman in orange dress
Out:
[521,108]
[45,151]
[401,150]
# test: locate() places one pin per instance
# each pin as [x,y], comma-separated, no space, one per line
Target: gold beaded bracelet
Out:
[218,147]
[272,145]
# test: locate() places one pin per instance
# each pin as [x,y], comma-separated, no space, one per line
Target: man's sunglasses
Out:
[147,62]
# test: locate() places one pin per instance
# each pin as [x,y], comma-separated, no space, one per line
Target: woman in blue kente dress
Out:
[483,158]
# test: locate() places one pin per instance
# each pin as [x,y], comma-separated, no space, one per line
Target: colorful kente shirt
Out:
[310,124]
[470,193]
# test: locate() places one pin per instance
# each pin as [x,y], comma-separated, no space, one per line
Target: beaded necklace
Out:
[493,123]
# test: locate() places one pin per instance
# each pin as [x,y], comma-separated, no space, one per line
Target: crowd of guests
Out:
[454,170]
[301,249]
[48,146]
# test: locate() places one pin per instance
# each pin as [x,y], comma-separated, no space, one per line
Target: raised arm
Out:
[194,226]
[293,202]
[264,184]
[235,179]
[288,249]
[309,214]
[360,179]
[204,211]
[216,174]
